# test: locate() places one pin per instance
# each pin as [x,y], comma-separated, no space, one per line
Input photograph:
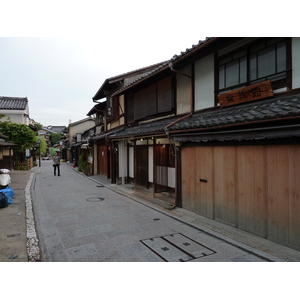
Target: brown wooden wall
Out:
[253,188]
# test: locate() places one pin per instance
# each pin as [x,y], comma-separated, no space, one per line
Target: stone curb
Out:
[33,249]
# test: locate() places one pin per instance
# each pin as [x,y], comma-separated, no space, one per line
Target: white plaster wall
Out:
[79,128]
[204,82]
[171,177]
[122,161]
[296,62]
[15,116]
[150,164]
[131,162]
[183,91]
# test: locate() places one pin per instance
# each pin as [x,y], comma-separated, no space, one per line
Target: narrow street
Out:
[80,220]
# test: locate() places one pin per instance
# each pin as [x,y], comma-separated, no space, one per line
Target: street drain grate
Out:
[177,247]
[100,186]
[95,199]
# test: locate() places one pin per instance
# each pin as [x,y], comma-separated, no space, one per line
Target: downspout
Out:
[191,105]
[178,202]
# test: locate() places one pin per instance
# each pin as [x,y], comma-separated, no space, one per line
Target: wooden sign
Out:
[248,93]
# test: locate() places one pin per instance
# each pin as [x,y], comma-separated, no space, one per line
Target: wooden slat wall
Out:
[294,196]
[204,190]
[225,182]
[189,194]
[254,188]
[251,190]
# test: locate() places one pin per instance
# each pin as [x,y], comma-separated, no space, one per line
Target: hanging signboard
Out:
[248,93]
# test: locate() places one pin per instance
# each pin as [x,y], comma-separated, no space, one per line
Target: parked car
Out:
[46,158]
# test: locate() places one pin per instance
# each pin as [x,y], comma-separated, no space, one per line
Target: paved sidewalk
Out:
[14,236]
[13,227]
[249,242]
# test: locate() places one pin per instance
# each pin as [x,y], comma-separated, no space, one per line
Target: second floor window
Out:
[153,100]
[263,60]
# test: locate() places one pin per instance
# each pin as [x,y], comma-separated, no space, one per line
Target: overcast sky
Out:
[59,55]
[59,76]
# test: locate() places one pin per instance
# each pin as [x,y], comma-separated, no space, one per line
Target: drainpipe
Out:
[173,149]
[191,103]
[191,84]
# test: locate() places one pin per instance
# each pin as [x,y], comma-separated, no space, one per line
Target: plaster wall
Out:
[296,62]
[18,117]
[131,162]
[150,164]
[204,83]
[81,127]
[183,93]
[122,161]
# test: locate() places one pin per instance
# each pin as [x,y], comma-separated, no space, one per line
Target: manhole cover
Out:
[177,247]
[95,199]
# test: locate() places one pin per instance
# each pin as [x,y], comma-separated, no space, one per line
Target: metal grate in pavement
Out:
[177,247]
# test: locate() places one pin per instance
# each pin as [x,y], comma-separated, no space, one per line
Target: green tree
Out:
[20,134]
[43,145]
[38,125]
[55,138]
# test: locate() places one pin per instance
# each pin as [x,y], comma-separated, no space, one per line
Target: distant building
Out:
[56,129]
[15,109]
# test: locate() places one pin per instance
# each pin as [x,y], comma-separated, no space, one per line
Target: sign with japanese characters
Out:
[248,93]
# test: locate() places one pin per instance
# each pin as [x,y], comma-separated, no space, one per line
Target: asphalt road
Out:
[80,220]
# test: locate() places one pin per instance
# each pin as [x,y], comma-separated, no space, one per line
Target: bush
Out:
[82,164]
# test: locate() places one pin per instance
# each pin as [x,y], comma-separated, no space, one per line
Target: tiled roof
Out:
[272,109]
[275,108]
[151,128]
[141,77]
[15,103]
[58,129]
[188,50]
[126,78]
[162,66]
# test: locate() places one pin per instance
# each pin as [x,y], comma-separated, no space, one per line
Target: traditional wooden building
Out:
[218,128]
[6,153]
[78,137]
[110,157]
[239,155]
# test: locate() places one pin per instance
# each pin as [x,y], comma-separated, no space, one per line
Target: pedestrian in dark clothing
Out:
[56,163]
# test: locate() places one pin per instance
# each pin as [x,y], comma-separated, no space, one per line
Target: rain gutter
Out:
[234,125]
[250,133]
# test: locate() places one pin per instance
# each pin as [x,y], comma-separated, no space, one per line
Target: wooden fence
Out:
[25,165]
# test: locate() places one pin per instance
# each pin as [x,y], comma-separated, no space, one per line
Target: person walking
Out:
[56,163]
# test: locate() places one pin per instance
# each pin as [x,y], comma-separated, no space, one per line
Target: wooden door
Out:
[141,159]
[104,161]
